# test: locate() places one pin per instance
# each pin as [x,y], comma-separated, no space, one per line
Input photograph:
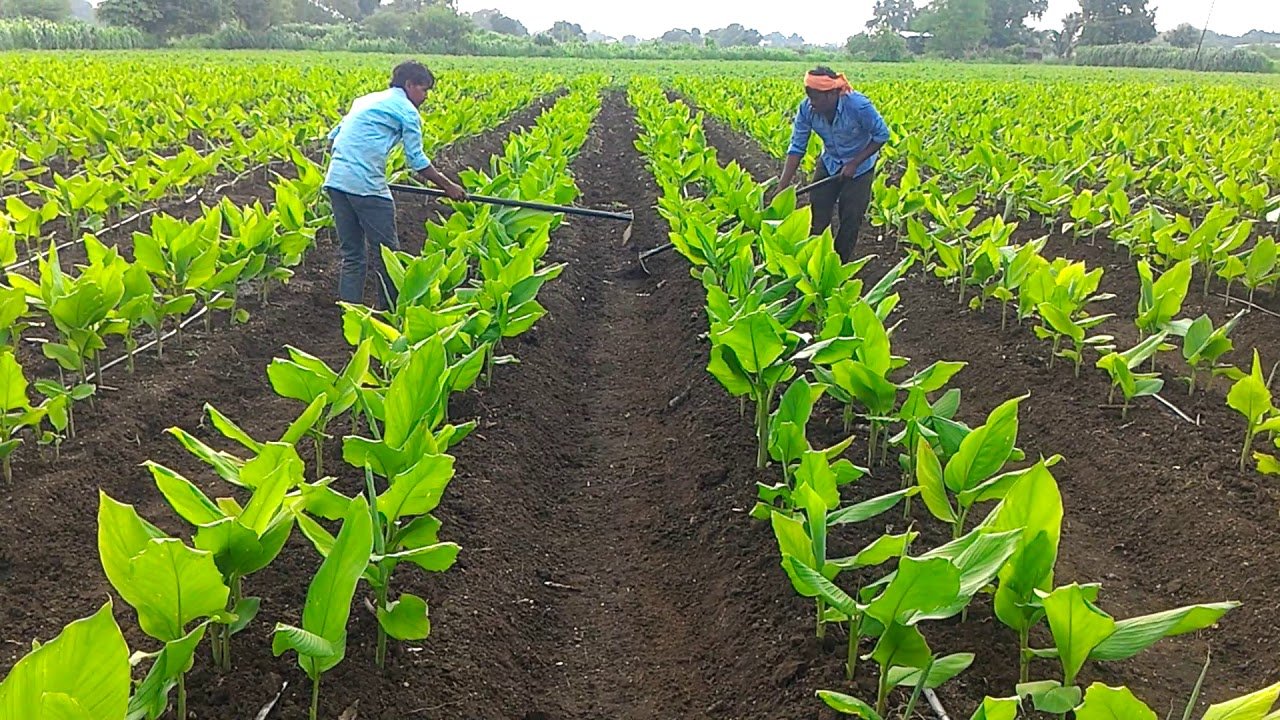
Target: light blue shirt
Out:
[364,138]
[857,124]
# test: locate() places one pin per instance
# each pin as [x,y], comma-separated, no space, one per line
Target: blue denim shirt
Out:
[857,124]
[364,138]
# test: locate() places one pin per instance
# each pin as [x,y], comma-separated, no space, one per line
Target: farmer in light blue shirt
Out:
[356,182]
[852,133]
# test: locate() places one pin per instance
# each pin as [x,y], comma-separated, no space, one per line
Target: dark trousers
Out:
[364,223]
[851,198]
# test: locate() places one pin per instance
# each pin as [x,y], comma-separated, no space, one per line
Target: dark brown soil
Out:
[1156,509]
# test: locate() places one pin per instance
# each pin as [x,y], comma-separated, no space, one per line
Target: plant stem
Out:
[882,692]
[851,658]
[319,441]
[821,626]
[915,694]
[315,696]
[1024,654]
[763,402]
[182,697]
[381,656]
[1248,441]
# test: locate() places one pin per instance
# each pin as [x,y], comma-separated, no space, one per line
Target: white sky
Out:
[832,24]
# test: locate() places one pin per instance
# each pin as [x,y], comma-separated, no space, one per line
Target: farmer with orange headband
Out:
[852,133]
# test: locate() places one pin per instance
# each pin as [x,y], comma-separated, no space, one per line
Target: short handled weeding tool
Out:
[527,205]
[724,226]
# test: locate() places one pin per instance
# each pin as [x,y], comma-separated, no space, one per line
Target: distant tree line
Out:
[998,29]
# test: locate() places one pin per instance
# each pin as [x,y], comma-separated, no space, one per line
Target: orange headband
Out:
[822,83]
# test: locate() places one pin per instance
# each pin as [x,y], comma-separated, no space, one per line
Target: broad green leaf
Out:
[811,583]
[122,535]
[1253,706]
[867,509]
[432,558]
[406,618]
[1051,696]
[929,478]
[1032,506]
[171,585]
[997,709]
[1134,635]
[321,642]
[1077,626]
[942,670]
[848,705]
[184,497]
[151,699]
[1107,703]
[901,646]
[918,589]
[417,490]
[86,666]
[985,451]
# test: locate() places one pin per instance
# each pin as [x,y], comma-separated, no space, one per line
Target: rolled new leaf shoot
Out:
[1203,345]
[1251,397]
[1122,368]
[974,473]
[320,642]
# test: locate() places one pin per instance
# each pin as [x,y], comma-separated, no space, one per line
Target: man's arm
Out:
[873,124]
[451,188]
[801,129]
[416,159]
[850,168]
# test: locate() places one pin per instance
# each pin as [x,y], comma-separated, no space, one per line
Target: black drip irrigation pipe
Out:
[527,205]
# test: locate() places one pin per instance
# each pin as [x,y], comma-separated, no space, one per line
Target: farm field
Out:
[693,487]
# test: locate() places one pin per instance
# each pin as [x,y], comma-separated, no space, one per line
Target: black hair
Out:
[824,71]
[412,71]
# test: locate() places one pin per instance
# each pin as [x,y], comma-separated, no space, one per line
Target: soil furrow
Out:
[619,572]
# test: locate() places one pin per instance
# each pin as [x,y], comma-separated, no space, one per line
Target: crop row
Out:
[474,284]
[965,228]
[1009,138]
[791,325]
[114,184]
[177,266]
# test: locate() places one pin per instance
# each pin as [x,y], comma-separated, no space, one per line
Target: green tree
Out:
[565,31]
[1111,22]
[165,18]
[260,14]
[1064,40]
[1183,36]
[680,36]
[892,14]
[56,10]
[735,35]
[1006,20]
[958,26]
[436,23]
[495,21]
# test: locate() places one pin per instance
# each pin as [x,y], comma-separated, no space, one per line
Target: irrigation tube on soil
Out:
[505,202]
[136,216]
[182,325]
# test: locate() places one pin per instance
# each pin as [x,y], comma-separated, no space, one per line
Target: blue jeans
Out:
[364,223]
